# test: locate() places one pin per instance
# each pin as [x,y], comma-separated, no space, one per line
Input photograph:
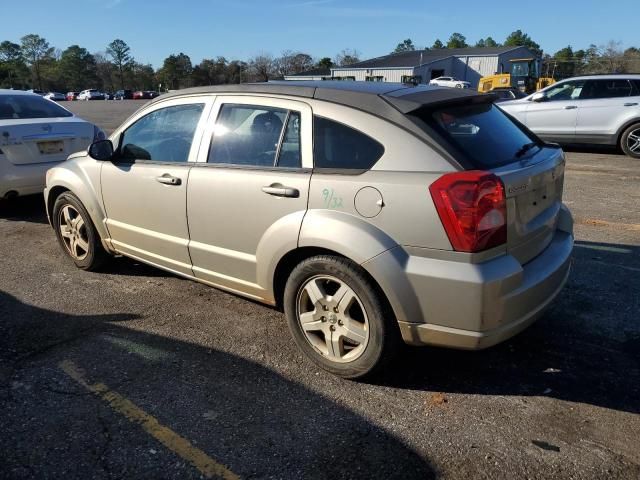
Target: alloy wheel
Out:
[633,141]
[332,318]
[73,232]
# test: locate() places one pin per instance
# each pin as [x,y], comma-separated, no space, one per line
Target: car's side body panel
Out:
[221,227]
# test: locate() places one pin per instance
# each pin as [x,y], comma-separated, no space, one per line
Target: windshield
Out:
[29,106]
[483,133]
[520,69]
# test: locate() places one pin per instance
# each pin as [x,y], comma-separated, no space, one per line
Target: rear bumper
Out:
[25,179]
[474,306]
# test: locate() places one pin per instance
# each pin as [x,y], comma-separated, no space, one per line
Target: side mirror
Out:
[101,150]
[538,97]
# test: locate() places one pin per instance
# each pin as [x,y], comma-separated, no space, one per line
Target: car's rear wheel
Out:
[338,318]
[76,233]
[630,141]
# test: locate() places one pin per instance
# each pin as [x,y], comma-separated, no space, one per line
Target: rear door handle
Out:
[570,107]
[278,190]
[631,104]
[169,180]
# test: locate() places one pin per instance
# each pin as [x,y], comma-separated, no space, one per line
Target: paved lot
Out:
[135,373]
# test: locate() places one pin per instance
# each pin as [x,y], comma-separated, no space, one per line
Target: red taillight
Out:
[472,208]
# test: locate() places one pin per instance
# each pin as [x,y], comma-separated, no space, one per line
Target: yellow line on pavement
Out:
[170,439]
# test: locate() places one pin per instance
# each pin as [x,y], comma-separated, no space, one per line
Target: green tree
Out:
[120,54]
[437,44]
[520,39]
[457,40]
[34,50]
[324,62]
[176,71]
[77,68]
[564,63]
[405,46]
[13,70]
[487,42]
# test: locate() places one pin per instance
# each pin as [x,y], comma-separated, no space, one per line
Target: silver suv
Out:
[371,214]
[601,109]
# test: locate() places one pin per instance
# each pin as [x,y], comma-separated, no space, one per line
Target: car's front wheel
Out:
[630,141]
[338,318]
[76,233]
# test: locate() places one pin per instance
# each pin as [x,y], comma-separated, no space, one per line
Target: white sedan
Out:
[449,82]
[91,94]
[35,135]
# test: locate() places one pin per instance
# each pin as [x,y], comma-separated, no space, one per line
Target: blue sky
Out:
[243,28]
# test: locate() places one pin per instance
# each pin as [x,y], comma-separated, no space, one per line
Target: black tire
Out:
[383,332]
[96,256]
[625,141]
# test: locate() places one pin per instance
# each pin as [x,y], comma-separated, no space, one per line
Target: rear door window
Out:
[484,134]
[337,146]
[255,135]
[612,88]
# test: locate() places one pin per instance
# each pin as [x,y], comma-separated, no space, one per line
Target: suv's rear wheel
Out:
[76,233]
[630,141]
[337,318]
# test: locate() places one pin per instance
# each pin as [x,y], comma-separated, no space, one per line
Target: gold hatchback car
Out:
[370,213]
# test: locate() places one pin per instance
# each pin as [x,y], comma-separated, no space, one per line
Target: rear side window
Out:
[164,135]
[483,133]
[337,146]
[595,89]
[29,106]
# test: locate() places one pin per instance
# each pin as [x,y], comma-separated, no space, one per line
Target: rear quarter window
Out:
[482,133]
[337,146]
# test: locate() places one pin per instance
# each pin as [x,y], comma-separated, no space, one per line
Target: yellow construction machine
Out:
[523,75]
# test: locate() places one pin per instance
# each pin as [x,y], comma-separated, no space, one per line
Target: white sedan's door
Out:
[144,188]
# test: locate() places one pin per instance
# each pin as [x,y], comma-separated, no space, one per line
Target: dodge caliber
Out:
[370,214]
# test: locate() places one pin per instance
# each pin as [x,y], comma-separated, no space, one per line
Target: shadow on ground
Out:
[27,209]
[250,418]
[585,349]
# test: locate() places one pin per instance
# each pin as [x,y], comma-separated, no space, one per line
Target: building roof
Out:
[315,72]
[415,58]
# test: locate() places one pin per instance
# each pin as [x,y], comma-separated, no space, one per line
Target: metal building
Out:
[420,66]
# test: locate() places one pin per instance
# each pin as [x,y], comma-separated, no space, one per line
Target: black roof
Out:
[390,101]
[312,73]
[373,97]
[420,57]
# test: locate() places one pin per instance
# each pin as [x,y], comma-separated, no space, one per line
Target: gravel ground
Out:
[561,400]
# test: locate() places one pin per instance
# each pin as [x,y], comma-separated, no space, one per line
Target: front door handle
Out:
[279,190]
[631,104]
[570,107]
[169,180]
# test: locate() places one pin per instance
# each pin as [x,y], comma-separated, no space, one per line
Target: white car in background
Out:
[449,82]
[57,96]
[588,110]
[91,94]
[35,135]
